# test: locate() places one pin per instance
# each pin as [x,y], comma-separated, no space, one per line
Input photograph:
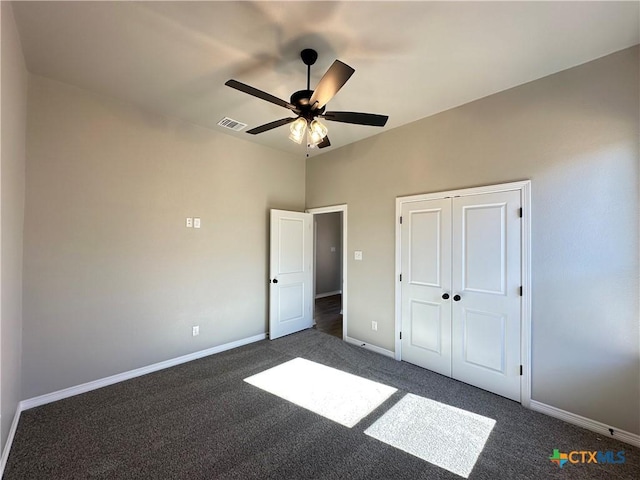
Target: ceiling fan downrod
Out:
[309,57]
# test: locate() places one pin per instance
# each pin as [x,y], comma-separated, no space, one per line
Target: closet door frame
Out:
[524,187]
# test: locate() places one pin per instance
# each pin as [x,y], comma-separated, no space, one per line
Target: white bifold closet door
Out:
[461,279]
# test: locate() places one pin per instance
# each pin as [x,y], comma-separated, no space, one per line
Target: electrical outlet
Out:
[195,330]
[357,255]
[374,326]
[189,222]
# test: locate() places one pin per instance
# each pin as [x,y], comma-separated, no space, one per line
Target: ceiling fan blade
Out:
[358,118]
[271,125]
[260,94]
[324,143]
[330,83]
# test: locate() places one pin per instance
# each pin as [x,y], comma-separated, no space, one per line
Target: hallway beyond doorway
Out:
[328,315]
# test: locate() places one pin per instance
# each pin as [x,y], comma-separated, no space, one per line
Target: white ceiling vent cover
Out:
[231,124]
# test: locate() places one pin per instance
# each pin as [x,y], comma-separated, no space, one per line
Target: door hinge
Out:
[520,369]
[520,290]
[400,277]
[520,212]
[400,335]
[400,220]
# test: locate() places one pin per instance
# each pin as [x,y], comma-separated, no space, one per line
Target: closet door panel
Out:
[426,276]
[486,288]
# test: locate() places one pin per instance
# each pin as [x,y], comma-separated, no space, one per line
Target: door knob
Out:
[445,296]
[456,298]
[275,280]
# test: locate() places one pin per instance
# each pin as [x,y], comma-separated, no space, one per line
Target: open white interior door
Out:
[291,273]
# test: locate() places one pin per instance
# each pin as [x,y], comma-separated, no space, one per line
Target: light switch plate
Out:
[357,255]
[196,222]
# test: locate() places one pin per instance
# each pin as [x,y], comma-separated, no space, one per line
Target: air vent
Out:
[231,124]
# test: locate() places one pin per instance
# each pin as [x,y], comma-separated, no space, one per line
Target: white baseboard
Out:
[7,445]
[593,425]
[368,346]
[103,382]
[328,294]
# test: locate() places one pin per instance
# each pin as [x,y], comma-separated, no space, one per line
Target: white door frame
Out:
[525,341]
[332,209]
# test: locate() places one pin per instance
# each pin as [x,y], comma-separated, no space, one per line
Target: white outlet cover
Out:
[195,330]
[196,222]
[189,223]
[357,255]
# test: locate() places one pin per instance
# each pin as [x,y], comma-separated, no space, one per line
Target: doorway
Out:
[329,283]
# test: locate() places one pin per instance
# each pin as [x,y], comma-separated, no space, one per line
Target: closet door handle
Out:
[445,296]
[275,280]
[456,298]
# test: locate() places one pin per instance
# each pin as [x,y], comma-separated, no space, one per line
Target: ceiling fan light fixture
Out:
[311,141]
[314,138]
[318,129]
[298,129]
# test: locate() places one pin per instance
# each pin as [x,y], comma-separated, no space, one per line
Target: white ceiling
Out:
[412,59]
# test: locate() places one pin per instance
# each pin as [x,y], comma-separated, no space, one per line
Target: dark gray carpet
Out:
[200,420]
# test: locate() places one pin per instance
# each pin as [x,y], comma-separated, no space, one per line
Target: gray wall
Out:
[12,175]
[575,134]
[328,263]
[112,278]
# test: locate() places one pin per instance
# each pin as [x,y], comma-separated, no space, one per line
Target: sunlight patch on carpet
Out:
[336,395]
[445,436]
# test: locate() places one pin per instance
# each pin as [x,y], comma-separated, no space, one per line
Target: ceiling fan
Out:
[309,104]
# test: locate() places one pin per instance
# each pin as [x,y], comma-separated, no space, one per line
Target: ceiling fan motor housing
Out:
[301,100]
